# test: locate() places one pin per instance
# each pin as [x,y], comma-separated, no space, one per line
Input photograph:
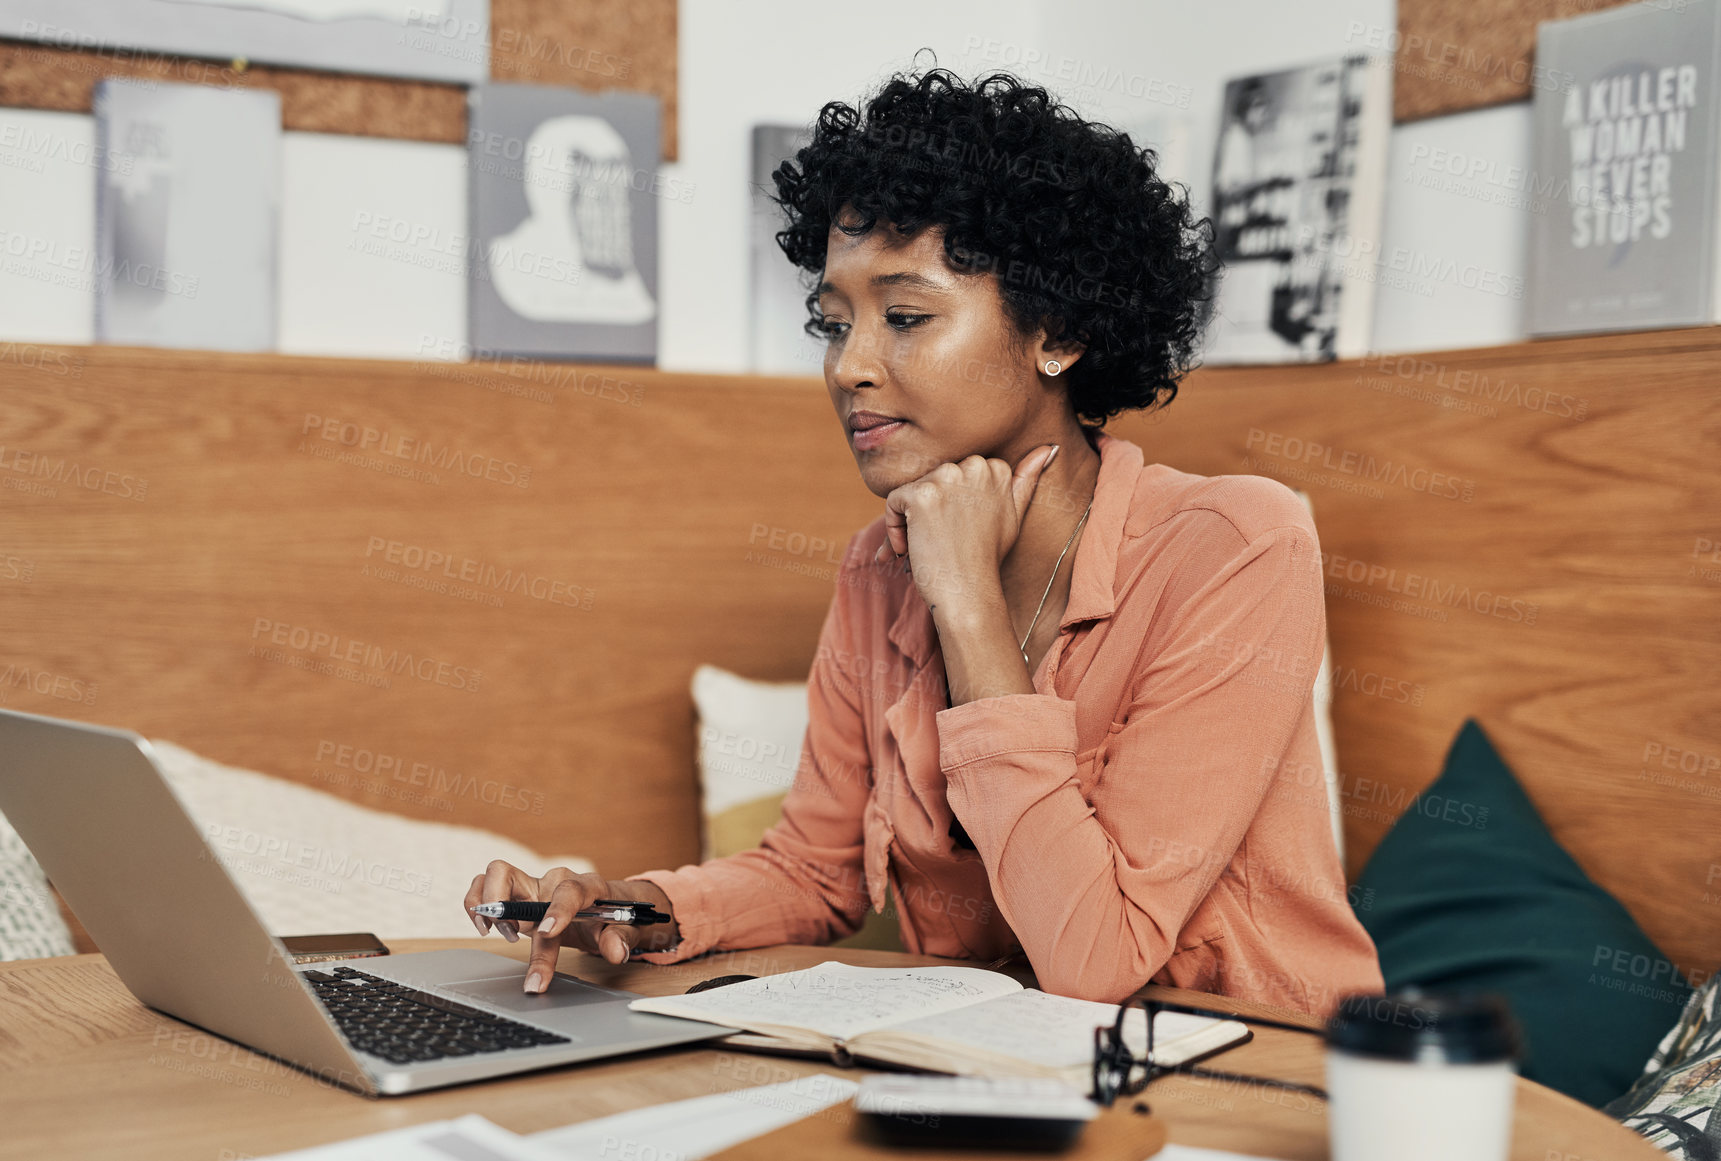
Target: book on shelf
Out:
[779,343]
[565,188]
[1299,175]
[1624,231]
[187,215]
[960,1020]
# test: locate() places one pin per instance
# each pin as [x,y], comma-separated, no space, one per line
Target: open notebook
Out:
[967,1021]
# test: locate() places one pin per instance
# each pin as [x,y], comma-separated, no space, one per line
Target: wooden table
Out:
[88,1072]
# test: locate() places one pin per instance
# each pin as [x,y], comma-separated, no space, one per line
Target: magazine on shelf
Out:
[187,215]
[1298,192]
[1623,234]
[565,188]
[779,343]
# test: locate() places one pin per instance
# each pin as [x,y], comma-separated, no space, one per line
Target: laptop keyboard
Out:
[406,1026]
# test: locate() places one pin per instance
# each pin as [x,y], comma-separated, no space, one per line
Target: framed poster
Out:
[434,40]
[1298,190]
[565,188]
[187,215]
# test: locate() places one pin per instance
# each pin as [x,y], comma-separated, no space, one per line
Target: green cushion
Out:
[1469,892]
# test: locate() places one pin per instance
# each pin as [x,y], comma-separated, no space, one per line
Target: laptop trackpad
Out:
[504,992]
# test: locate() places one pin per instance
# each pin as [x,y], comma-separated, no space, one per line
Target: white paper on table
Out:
[468,1138]
[692,1129]
[1190,1153]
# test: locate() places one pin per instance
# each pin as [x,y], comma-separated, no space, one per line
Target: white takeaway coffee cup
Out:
[1417,1076]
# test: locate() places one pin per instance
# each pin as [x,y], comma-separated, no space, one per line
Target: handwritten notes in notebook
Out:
[1058,1031]
[1054,1031]
[838,1000]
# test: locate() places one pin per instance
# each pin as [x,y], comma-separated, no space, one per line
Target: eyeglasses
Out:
[1119,1072]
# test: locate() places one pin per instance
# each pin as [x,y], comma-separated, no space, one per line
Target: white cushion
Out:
[30,923]
[750,735]
[1323,695]
[1329,751]
[310,862]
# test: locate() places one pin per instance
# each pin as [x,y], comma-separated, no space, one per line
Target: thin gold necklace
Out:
[1049,583]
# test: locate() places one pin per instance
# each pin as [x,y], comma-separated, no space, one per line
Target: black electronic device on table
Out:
[973,1112]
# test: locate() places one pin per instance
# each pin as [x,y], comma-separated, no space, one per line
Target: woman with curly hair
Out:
[1061,703]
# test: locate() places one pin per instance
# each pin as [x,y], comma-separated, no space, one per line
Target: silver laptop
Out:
[94,808]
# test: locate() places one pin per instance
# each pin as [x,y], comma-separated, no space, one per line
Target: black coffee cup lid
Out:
[1426,1027]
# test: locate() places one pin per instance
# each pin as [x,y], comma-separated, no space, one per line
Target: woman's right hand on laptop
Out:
[566,892]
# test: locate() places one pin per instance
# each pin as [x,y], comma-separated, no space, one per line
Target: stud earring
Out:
[1053,367]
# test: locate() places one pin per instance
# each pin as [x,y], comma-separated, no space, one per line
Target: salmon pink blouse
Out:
[1155,811]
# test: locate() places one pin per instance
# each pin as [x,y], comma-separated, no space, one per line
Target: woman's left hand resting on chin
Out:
[955,525]
[566,892]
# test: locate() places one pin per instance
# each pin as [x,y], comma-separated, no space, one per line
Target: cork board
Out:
[594,45]
[37,76]
[1453,55]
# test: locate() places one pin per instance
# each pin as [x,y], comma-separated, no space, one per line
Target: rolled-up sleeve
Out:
[1099,883]
[805,883]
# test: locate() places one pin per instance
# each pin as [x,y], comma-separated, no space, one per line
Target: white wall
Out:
[1153,65]
[1451,211]
[1457,232]
[47,226]
[1170,49]
[748,61]
[1148,65]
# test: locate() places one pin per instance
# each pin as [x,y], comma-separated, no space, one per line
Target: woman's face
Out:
[931,349]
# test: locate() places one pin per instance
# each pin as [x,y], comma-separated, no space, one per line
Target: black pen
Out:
[624,911]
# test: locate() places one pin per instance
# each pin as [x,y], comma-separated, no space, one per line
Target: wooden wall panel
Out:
[1453,55]
[149,597]
[593,45]
[1544,554]
[1528,534]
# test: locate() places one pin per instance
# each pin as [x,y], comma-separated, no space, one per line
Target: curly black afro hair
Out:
[1071,215]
